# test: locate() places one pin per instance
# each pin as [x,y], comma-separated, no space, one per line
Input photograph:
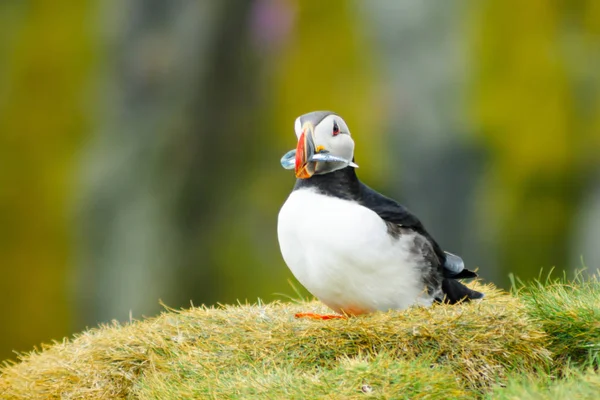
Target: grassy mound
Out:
[260,351]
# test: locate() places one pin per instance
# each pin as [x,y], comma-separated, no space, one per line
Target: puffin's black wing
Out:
[396,214]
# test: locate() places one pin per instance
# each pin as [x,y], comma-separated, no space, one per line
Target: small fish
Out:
[288,161]
[326,157]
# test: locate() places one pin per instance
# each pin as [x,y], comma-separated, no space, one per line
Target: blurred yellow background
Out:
[140,142]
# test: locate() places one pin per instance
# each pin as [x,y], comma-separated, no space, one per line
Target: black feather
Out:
[454,292]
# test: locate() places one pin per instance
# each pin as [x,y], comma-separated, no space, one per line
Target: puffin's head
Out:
[324,145]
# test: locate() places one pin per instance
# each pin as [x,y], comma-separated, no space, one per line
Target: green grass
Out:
[570,314]
[541,341]
[579,385]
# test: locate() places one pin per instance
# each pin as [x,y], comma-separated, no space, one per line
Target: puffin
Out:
[351,247]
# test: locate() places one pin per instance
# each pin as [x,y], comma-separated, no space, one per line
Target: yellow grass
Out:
[253,350]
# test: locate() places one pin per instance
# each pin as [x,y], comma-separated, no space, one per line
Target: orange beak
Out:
[304,151]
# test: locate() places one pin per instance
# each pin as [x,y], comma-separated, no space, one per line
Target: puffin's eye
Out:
[336,129]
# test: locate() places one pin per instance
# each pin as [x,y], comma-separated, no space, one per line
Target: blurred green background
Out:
[140,141]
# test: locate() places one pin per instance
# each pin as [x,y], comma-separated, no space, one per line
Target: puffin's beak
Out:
[304,151]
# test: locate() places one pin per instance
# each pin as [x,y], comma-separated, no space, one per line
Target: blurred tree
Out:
[584,242]
[583,55]
[534,107]
[46,60]
[173,145]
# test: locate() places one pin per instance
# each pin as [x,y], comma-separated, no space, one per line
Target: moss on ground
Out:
[507,346]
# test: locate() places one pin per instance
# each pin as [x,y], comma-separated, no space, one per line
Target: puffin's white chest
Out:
[342,253]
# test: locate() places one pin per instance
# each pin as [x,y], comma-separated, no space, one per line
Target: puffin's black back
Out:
[344,184]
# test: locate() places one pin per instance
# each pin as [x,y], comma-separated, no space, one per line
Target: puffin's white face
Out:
[324,144]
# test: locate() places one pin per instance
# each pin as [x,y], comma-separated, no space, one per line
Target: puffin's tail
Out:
[454,291]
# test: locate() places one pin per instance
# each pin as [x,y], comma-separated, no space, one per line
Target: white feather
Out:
[342,253]
[298,127]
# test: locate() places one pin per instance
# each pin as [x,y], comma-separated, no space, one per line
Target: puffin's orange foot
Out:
[319,316]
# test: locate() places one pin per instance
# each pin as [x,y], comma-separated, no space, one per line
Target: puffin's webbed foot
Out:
[320,317]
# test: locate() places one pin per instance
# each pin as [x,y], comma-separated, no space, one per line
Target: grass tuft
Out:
[464,351]
[569,312]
